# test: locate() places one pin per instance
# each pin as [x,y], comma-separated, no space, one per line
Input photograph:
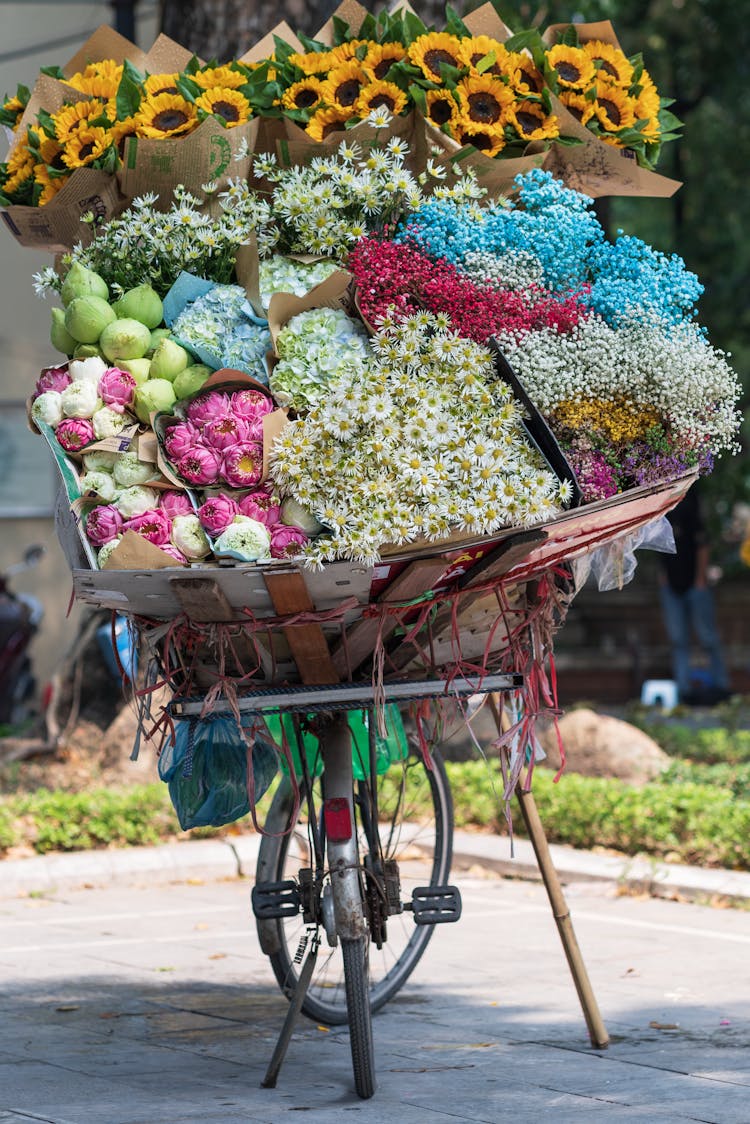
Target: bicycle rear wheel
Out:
[416,830]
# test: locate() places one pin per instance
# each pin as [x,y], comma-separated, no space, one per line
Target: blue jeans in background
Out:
[686,614]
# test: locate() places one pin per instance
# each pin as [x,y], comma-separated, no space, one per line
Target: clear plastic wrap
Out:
[612,566]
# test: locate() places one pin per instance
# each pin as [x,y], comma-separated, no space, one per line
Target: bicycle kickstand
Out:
[295,1006]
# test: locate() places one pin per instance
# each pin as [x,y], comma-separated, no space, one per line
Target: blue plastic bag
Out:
[206,770]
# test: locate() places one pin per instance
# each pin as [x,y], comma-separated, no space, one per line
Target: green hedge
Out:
[684,821]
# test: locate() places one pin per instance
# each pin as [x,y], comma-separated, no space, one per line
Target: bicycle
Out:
[340,874]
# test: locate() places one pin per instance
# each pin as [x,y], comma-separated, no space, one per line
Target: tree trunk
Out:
[225,29]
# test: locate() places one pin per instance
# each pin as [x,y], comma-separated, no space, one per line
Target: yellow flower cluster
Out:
[599,85]
[618,420]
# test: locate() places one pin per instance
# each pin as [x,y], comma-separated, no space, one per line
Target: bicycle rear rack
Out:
[350,696]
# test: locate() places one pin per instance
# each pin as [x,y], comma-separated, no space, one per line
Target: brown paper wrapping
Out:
[331,293]
[133,552]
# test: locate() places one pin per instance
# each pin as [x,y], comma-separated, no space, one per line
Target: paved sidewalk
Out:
[135,1004]
[237,854]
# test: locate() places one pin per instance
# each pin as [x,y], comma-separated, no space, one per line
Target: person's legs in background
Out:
[703,617]
[676,614]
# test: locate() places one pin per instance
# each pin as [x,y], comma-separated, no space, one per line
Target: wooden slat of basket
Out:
[307,642]
[362,636]
[202,599]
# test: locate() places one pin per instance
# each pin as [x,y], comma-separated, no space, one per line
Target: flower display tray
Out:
[319,626]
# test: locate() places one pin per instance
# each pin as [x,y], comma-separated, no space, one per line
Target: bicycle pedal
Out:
[275,899]
[435,905]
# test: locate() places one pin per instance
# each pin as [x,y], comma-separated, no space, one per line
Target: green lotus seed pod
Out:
[59,336]
[191,380]
[154,395]
[87,351]
[140,369]
[87,317]
[142,303]
[168,360]
[82,282]
[125,339]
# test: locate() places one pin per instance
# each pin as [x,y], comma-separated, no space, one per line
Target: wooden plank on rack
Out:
[419,577]
[307,642]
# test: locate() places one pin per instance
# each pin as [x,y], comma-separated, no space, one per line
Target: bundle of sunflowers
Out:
[115,122]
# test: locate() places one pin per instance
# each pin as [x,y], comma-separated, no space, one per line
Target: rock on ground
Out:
[597,745]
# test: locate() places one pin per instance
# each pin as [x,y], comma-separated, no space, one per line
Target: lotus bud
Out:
[245,538]
[287,541]
[108,422]
[59,335]
[103,524]
[87,317]
[99,461]
[129,470]
[191,380]
[168,360]
[53,378]
[154,396]
[295,515]
[99,482]
[82,282]
[87,351]
[136,500]
[80,399]
[87,370]
[47,408]
[189,537]
[157,335]
[124,339]
[141,303]
[106,551]
[74,433]
[140,369]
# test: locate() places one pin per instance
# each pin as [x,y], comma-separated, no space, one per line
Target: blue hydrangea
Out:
[630,279]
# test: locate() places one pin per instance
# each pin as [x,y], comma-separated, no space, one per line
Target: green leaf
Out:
[193,66]
[369,28]
[668,120]
[341,31]
[282,50]
[486,62]
[133,73]
[569,37]
[45,120]
[454,25]
[568,142]
[129,95]
[413,28]
[53,72]
[190,90]
[418,96]
[311,44]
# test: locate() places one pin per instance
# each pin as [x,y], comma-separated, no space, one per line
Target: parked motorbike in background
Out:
[20,617]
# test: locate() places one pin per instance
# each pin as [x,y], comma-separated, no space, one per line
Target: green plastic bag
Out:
[393,747]
[205,769]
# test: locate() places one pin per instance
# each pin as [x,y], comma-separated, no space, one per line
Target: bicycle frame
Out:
[338,814]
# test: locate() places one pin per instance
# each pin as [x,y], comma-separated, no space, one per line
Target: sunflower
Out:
[524,76]
[49,150]
[488,141]
[344,84]
[86,145]
[531,122]
[12,110]
[484,100]
[442,109]
[380,58]
[160,84]
[473,50]
[314,62]
[614,108]
[50,184]
[166,115]
[346,51]
[573,67]
[430,51]
[647,105]
[577,104]
[304,94]
[122,129]
[377,94]
[224,77]
[76,116]
[611,63]
[230,105]
[19,168]
[95,86]
[326,121]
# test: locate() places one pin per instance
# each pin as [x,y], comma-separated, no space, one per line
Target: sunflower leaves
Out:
[129,91]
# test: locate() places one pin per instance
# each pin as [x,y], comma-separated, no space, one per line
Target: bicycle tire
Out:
[359,1012]
[281,856]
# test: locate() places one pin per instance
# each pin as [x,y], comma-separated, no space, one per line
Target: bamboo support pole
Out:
[596,1028]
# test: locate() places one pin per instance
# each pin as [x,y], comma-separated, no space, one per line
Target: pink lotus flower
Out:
[200,466]
[103,524]
[221,433]
[52,378]
[117,389]
[243,464]
[260,505]
[180,439]
[74,433]
[251,404]
[217,513]
[175,503]
[286,542]
[173,552]
[209,407]
[154,525]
